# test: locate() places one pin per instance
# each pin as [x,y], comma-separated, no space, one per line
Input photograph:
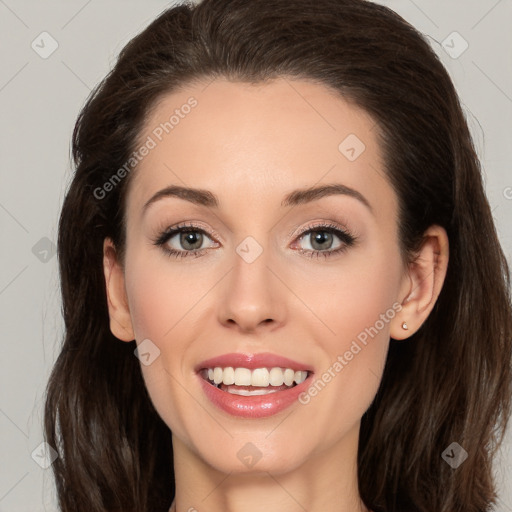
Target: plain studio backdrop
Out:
[42,88]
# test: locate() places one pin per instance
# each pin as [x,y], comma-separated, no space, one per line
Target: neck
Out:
[325,482]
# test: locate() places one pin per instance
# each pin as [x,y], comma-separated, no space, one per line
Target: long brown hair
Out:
[450,382]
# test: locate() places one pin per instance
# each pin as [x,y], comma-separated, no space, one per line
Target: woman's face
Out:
[264,268]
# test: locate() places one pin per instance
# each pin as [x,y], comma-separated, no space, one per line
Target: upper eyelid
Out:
[325,225]
[188,227]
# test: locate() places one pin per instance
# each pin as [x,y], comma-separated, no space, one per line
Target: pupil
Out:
[191,238]
[321,237]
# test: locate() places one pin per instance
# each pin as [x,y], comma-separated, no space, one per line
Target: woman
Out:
[282,284]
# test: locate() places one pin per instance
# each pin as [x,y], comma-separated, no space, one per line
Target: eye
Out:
[322,240]
[188,240]
[183,241]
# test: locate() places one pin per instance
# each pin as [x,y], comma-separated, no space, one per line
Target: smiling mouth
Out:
[247,382]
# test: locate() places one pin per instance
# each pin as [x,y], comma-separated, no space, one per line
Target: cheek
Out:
[159,298]
[353,297]
[159,313]
[356,306]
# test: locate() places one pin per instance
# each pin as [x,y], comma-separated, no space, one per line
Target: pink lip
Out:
[257,406]
[253,361]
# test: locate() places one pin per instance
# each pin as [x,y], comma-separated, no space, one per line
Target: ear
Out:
[119,313]
[422,283]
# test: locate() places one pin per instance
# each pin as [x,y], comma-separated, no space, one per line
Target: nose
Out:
[252,296]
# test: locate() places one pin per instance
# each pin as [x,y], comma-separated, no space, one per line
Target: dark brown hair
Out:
[450,382]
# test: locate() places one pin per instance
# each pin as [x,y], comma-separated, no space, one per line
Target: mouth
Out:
[253,385]
[251,382]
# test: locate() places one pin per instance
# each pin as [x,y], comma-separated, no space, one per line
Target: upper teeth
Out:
[262,377]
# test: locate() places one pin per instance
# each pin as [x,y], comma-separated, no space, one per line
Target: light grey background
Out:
[40,99]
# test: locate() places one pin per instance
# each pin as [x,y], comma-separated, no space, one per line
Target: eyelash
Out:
[347,239]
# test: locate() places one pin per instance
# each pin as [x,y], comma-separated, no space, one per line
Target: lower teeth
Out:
[238,390]
[245,392]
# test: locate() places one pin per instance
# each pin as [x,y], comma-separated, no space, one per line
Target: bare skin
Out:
[251,146]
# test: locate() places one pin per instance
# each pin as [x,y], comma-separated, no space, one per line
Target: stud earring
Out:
[404,326]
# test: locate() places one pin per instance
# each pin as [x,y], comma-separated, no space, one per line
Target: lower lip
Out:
[257,406]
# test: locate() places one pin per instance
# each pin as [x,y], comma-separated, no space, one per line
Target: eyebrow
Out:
[302,196]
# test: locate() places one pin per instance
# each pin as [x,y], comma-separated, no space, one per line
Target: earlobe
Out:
[423,283]
[118,310]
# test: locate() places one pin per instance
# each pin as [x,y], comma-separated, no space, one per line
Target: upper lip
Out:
[253,361]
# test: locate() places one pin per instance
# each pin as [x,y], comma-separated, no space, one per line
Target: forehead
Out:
[256,142]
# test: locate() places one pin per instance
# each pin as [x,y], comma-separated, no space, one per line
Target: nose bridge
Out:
[251,294]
